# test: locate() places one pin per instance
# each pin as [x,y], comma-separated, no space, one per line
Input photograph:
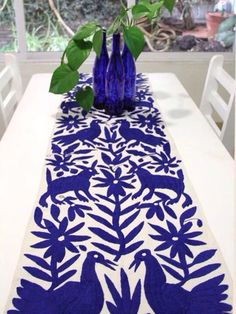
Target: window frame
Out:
[45,56]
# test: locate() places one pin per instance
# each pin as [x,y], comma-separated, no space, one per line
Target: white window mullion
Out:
[130,3]
[20,27]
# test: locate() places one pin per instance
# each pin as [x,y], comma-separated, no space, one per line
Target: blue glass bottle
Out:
[130,79]
[115,80]
[99,75]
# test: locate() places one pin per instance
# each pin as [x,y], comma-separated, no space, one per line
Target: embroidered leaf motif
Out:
[204,270]
[38,216]
[65,276]
[105,209]
[39,261]
[124,302]
[174,273]
[68,263]
[103,221]
[129,220]
[130,208]
[170,261]
[38,273]
[70,149]
[104,235]
[75,229]
[55,212]
[187,214]
[133,233]
[56,149]
[106,158]
[105,248]
[136,153]
[133,247]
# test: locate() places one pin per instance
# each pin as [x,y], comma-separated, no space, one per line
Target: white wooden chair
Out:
[10,90]
[212,103]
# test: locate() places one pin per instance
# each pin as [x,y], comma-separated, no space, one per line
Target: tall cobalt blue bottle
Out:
[115,80]
[130,79]
[99,75]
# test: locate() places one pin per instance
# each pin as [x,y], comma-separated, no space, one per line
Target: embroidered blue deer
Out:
[152,182]
[77,183]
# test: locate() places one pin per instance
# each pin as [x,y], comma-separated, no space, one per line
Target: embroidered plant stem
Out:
[116,225]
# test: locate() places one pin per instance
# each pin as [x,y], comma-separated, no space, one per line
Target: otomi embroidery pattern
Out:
[115,230]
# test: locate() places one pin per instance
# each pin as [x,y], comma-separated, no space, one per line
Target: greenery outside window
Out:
[48,24]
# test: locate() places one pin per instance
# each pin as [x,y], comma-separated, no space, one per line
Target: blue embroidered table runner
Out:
[116,229]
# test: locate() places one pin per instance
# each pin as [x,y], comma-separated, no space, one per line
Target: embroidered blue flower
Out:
[153,209]
[177,240]
[69,122]
[141,94]
[115,182]
[61,162]
[165,162]
[58,239]
[150,121]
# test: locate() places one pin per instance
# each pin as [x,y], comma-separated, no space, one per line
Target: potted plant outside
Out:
[226,32]
[222,11]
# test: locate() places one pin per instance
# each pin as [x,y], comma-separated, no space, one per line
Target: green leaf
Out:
[134,40]
[139,10]
[97,42]
[154,9]
[85,98]
[144,2]
[63,79]
[169,5]
[85,31]
[77,53]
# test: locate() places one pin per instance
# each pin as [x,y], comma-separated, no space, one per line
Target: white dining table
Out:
[24,145]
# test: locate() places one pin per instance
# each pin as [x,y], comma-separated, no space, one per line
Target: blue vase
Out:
[99,75]
[130,79]
[115,80]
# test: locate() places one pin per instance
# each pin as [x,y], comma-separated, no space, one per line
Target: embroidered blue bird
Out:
[85,296]
[137,135]
[87,136]
[166,298]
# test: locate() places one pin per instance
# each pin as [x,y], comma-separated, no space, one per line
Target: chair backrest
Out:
[212,103]
[10,90]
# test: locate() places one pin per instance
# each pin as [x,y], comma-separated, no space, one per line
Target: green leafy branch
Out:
[66,76]
[90,36]
[126,23]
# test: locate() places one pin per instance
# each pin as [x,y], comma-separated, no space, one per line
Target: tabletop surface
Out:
[23,149]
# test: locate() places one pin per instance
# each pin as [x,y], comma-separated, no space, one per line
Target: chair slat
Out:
[225,80]
[213,124]
[5,77]
[10,74]
[212,101]
[9,105]
[218,104]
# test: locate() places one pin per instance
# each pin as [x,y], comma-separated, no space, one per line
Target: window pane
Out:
[8,42]
[45,32]
[193,26]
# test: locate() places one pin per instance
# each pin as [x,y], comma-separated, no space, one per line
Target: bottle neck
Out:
[104,40]
[116,43]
